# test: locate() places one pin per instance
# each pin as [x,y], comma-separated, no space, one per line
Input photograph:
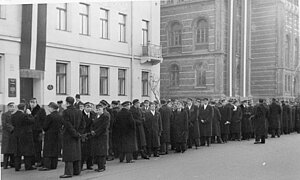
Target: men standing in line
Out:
[73,129]
[140,132]
[235,126]
[285,117]
[86,145]
[166,115]
[246,122]
[260,122]
[126,133]
[153,129]
[39,115]
[205,122]
[23,121]
[274,118]
[216,132]
[112,132]
[7,143]
[226,113]
[194,133]
[100,133]
[52,126]
[297,118]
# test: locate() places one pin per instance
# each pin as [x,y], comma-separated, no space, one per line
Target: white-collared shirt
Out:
[88,114]
[153,112]
[204,106]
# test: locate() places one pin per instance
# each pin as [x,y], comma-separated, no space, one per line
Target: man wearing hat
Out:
[205,122]
[166,115]
[194,132]
[73,129]
[146,106]
[137,115]
[126,133]
[60,108]
[51,127]
[7,143]
[112,136]
[260,121]
[39,115]
[226,113]
[216,132]
[246,121]
[78,101]
[274,118]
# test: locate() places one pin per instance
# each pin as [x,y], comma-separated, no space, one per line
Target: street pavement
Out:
[278,159]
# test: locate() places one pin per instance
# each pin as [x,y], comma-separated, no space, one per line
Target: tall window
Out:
[174,75]
[2,12]
[145,34]
[296,52]
[145,82]
[103,81]
[200,75]
[121,79]
[61,78]
[201,34]
[287,51]
[61,10]
[84,79]
[175,34]
[84,18]
[104,23]
[1,74]
[122,27]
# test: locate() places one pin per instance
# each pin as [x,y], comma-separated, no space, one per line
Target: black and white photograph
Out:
[149,89]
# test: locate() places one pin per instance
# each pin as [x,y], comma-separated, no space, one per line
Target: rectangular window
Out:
[145,27]
[121,80]
[1,74]
[84,80]
[145,82]
[61,78]
[122,26]
[103,81]
[84,18]
[61,16]
[104,23]
[2,12]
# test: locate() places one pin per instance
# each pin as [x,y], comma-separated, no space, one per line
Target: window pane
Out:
[63,19]
[83,8]
[103,14]
[2,11]
[121,73]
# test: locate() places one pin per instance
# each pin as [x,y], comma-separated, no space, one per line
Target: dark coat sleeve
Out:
[101,129]
[47,123]
[69,127]
[5,123]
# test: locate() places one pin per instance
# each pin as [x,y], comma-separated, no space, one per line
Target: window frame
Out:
[84,77]
[122,25]
[145,81]
[121,80]
[2,11]
[145,32]
[201,34]
[59,11]
[104,21]
[81,20]
[106,78]
[200,72]
[174,75]
[59,75]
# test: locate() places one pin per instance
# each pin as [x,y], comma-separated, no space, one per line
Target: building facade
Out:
[229,48]
[107,50]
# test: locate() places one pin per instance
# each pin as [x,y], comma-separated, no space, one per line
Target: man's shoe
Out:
[44,169]
[17,169]
[256,142]
[89,168]
[131,161]
[65,176]
[31,168]
[262,142]
[100,170]
[145,157]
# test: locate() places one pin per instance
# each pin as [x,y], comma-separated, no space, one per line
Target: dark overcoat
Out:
[113,133]
[153,129]
[73,128]
[292,120]
[86,145]
[274,116]
[166,115]
[137,115]
[206,115]
[7,143]
[216,131]
[100,140]
[52,127]
[22,134]
[194,131]
[180,126]
[297,118]
[246,121]
[39,115]
[260,119]
[126,131]
[226,113]
[235,126]
[286,115]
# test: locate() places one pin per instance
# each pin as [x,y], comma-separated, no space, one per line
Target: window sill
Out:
[104,94]
[104,38]
[200,87]
[60,94]
[123,42]
[84,34]
[121,94]
[63,30]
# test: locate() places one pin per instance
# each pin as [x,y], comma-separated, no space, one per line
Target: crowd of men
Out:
[88,134]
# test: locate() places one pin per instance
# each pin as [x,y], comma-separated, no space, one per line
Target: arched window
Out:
[175,34]
[287,51]
[174,75]
[201,34]
[296,52]
[200,74]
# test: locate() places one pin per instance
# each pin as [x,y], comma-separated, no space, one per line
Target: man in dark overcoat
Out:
[73,128]
[246,121]
[39,115]
[166,115]
[100,133]
[205,123]
[260,122]
[297,117]
[126,132]
[194,132]
[153,129]
[274,118]
[7,143]
[86,145]
[23,121]
[51,127]
[235,126]
[113,133]
[226,114]
[216,131]
[137,115]
[286,115]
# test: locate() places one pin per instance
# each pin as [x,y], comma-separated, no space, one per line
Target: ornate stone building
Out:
[220,48]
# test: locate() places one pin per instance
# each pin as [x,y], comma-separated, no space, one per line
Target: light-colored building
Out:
[107,50]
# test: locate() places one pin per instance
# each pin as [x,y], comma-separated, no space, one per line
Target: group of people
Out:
[84,133]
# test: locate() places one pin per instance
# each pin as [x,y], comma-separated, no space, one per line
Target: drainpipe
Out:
[131,49]
[230,48]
